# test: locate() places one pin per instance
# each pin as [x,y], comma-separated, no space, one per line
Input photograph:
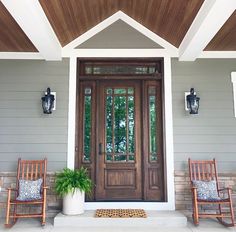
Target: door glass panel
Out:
[131,123]
[152,128]
[120,123]
[109,129]
[120,146]
[130,91]
[87,126]
[120,91]
[120,69]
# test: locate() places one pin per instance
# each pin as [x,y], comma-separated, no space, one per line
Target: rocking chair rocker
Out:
[31,175]
[205,191]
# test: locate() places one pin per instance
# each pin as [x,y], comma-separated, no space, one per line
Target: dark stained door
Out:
[120,139]
[118,175]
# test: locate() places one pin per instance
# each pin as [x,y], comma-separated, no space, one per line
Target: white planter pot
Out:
[73,203]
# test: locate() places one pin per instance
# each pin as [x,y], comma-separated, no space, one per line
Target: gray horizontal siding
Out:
[212,133]
[24,130]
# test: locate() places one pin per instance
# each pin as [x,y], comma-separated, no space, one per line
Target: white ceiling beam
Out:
[21,56]
[31,18]
[210,18]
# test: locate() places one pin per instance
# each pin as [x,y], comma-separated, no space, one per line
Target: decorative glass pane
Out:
[152,90]
[109,91]
[87,91]
[131,158]
[109,126]
[120,124]
[120,157]
[130,90]
[109,157]
[88,69]
[131,123]
[119,91]
[120,145]
[87,128]
[120,69]
[152,128]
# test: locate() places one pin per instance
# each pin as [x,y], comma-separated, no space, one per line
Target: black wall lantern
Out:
[48,102]
[192,102]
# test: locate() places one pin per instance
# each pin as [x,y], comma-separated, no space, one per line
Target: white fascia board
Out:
[118,53]
[21,56]
[218,54]
[210,18]
[31,18]
[233,79]
[67,50]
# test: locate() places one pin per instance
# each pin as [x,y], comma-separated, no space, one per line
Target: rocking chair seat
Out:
[214,200]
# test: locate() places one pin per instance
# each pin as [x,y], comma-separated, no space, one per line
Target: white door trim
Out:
[168,141]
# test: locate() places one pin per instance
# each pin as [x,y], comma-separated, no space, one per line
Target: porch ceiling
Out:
[70,19]
[167,18]
[12,37]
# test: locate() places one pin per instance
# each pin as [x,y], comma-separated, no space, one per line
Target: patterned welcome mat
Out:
[120,213]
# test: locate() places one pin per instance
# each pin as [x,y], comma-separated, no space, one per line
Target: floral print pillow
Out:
[29,190]
[206,190]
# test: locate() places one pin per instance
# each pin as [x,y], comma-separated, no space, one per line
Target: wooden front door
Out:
[118,175]
[119,133]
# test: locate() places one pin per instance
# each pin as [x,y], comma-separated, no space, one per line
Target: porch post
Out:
[71,113]
[168,143]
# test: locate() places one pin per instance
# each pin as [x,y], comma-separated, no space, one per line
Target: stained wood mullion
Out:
[113,130]
[127,126]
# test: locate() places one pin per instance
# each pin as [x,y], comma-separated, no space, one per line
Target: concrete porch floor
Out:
[33,225]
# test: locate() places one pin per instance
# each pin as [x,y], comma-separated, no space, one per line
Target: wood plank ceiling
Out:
[170,19]
[225,39]
[12,38]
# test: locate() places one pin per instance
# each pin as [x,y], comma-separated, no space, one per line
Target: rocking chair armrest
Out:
[224,189]
[46,187]
[12,189]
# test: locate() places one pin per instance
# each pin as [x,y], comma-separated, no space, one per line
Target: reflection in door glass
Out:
[120,122]
[109,145]
[87,128]
[131,123]
[152,128]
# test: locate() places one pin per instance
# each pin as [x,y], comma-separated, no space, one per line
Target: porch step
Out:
[154,219]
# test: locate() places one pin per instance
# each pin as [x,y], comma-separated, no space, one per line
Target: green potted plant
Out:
[72,185]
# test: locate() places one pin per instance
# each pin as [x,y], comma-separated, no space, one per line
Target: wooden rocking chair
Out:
[207,171]
[29,170]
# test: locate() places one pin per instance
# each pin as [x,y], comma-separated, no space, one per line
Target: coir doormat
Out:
[120,213]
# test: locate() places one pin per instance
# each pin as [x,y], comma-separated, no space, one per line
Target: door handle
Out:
[100,149]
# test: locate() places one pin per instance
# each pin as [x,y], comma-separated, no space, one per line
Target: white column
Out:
[71,114]
[169,134]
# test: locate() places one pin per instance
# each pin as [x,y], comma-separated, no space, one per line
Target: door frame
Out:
[168,140]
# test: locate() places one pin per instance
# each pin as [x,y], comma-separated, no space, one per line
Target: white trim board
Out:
[119,53]
[233,79]
[168,141]
[21,56]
